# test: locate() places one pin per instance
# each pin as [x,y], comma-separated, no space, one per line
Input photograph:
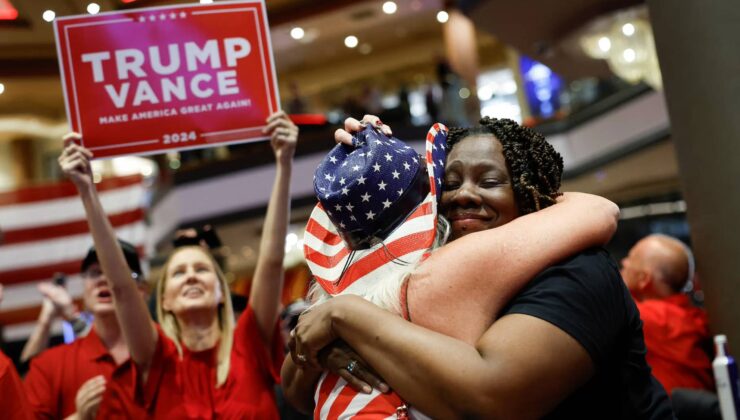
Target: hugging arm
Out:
[133,316]
[507,374]
[491,266]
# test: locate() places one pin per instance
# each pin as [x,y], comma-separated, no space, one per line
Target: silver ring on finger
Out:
[351,366]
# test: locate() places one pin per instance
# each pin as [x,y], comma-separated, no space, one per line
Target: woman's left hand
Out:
[283,135]
[342,360]
[312,333]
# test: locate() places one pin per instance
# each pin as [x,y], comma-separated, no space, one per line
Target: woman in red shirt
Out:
[197,363]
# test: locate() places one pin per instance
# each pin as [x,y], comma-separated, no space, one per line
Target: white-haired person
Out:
[200,362]
[482,342]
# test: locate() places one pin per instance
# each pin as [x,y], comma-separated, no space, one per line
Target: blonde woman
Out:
[199,362]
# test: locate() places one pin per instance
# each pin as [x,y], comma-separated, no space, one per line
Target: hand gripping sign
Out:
[152,80]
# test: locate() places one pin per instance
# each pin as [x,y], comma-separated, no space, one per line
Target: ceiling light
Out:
[605,44]
[351,41]
[49,15]
[93,8]
[389,7]
[628,29]
[297,33]
[442,17]
[629,55]
[2,88]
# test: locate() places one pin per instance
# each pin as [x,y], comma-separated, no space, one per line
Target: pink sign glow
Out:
[151,80]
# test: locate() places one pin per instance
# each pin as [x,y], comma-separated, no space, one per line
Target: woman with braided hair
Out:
[568,345]
[534,166]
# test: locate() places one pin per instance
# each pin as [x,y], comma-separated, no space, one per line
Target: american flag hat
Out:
[377,208]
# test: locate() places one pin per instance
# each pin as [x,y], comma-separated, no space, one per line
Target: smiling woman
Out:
[199,363]
[477,190]
[189,292]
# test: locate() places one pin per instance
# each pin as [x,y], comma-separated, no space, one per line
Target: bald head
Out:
[666,259]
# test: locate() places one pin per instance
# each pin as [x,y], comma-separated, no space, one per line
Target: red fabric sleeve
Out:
[163,362]
[40,389]
[15,405]
[248,342]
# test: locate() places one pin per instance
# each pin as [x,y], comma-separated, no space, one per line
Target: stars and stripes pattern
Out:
[350,199]
[357,184]
[45,231]
[338,270]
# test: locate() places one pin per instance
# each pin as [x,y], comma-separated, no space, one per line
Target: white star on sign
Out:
[361,180]
[327,177]
[152,18]
[434,146]
[395,174]
[341,225]
[441,163]
[388,157]
[162,16]
[370,215]
[345,191]
[387,203]
[353,218]
[349,207]
[400,192]
[332,159]
[338,207]
[369,154]
[376,167]
[173,15]
[406,166]
[378,142]
[183,15]
[366,197]
[142,19]
[356,168]
[341,181]
[382,185]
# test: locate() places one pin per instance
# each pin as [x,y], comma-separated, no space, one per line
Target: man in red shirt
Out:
[71,379]
[676,332]
[14,403]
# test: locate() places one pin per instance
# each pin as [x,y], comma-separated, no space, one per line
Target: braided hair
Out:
[534,165]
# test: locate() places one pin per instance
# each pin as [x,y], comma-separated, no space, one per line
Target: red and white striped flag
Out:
[45,232]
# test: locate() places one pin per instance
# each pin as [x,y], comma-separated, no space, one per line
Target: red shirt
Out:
[186,387]
[14,403]
[57,374]
[675,335]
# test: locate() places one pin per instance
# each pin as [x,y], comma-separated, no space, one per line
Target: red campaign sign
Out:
[152,80]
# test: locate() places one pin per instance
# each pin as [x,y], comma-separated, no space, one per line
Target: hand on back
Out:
[352,126]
